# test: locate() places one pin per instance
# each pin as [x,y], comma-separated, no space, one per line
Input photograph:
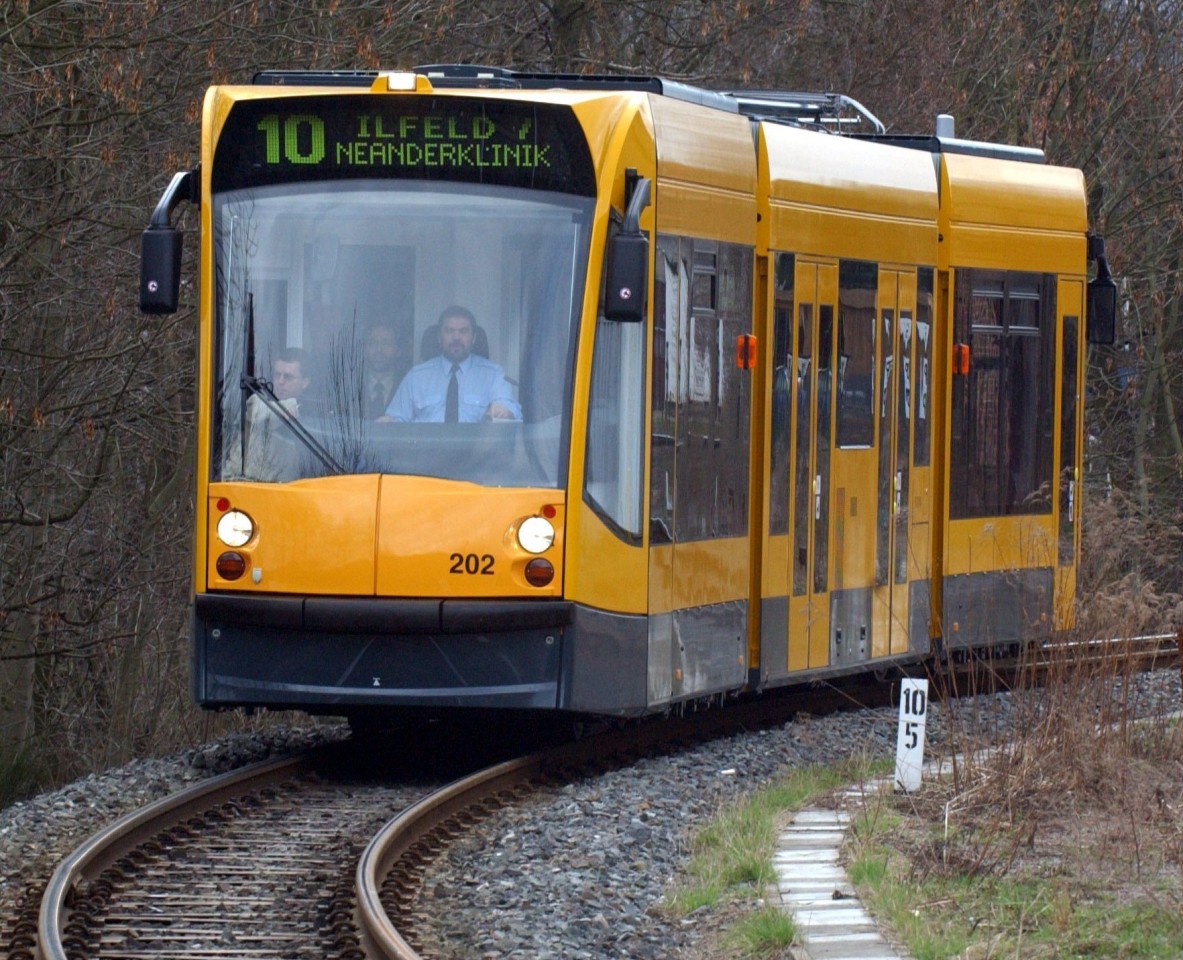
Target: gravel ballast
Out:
[577,872]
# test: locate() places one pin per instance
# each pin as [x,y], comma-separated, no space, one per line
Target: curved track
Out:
[261,862]
[254,863]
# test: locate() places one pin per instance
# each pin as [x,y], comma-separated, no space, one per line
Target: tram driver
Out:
[457,385]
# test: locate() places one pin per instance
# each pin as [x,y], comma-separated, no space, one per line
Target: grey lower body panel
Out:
[604,664]
[774,627]
[985,609]
[336,655]
[919,612]
[238,665]
[851,625]
[697,652]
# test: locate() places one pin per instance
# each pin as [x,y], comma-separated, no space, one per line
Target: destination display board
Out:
[352,136]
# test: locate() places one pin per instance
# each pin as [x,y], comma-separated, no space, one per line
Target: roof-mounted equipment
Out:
[835,112]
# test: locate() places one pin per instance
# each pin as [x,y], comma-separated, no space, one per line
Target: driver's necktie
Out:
[452,404]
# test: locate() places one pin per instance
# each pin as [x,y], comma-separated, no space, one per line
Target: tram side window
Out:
[695,516]
[733,406]
[1003,408]
[615,426]
[923,425]
[699,440]
[782,394]
[667,292]
[858,282]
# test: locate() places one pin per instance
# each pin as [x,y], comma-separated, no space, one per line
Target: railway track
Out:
[255,863]
[294,859]
[969,673]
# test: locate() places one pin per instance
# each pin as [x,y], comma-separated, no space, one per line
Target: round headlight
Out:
[235,528]
[536,534]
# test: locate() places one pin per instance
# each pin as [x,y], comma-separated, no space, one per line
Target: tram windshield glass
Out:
[343,305]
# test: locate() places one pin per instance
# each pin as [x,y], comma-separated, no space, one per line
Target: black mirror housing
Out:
[160,269]
[1101,325]
[628,276]
[160,247]
[1101,301]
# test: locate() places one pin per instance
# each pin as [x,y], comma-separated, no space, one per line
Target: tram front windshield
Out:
[342,307]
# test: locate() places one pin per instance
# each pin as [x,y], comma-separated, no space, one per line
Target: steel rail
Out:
[118,838]
[463,799]
[400,835]
[410,834]
[1145,639]
[1151,650]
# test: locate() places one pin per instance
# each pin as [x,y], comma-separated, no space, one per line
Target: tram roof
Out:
[831,112]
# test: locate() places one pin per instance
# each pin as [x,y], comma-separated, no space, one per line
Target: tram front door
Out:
[816,286]
[902,540]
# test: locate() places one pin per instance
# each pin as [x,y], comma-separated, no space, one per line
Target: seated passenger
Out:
[270,451]
[380,362]
[289,378]
[457,386]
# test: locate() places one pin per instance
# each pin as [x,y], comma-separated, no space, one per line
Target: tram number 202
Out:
[472,564]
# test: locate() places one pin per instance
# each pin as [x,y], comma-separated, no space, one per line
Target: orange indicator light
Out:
[745,351]
[539,572]
[231,565]
[960,359]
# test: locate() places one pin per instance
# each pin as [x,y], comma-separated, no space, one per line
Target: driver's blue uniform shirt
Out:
[423,393]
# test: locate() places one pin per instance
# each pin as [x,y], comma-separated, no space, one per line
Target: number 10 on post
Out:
[909,751]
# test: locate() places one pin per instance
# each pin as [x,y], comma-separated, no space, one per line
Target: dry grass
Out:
[1064,840]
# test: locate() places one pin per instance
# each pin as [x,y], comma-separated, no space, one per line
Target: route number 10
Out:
[909,752]
[302,138]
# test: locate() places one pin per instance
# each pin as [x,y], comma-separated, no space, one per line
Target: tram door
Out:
[1069,300]
[813,355]
[898,380]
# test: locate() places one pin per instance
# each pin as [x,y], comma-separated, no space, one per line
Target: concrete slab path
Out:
[815,890]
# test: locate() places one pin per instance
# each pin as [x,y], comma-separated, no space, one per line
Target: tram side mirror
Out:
[628,278]
[160,269]
[627,269]
[160,247]
[1101,326]
[1102,307]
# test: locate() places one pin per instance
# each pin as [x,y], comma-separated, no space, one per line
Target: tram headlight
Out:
[235,528]
[536,535]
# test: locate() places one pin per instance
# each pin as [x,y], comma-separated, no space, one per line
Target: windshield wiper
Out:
[262,389]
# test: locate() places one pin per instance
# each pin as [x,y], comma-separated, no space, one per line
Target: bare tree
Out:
[100,102]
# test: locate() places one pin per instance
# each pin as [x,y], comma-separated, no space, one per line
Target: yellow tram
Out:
[609,394]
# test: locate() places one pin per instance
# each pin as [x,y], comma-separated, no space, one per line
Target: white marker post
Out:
[909,750]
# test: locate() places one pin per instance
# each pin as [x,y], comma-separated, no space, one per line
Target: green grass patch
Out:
[768,930]
[731,861]
[1029,910]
